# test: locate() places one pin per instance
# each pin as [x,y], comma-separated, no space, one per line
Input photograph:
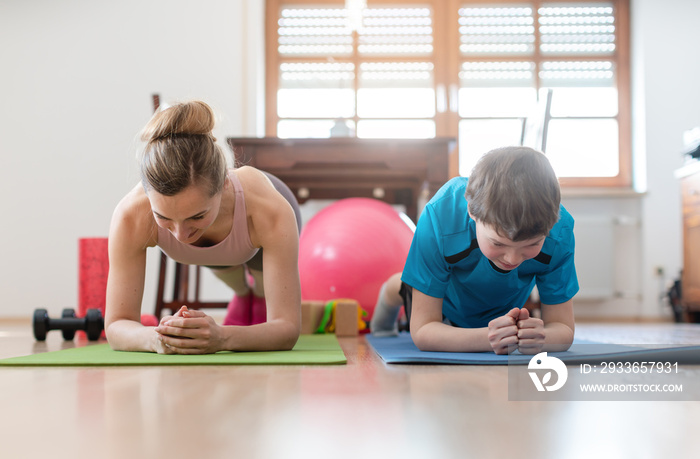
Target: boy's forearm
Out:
[559,326]
[439,337]
[558,337]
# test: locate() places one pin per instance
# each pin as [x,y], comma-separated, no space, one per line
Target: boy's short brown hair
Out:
[516,192]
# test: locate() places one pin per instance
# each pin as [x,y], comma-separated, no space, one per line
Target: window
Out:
[553,75]
[375,81]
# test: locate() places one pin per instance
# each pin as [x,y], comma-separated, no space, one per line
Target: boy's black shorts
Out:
[406,292]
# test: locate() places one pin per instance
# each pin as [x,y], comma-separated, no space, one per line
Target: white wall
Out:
[666,103]
[75,88]
[608,234]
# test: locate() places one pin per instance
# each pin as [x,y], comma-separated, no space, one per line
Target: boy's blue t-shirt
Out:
[445,261]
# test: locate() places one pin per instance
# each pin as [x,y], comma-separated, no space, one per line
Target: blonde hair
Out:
[515,191]
[181,150]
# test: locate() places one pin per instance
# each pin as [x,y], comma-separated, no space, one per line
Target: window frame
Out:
[447,61]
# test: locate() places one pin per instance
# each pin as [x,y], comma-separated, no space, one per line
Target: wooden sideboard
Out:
[689,177]
[397,171]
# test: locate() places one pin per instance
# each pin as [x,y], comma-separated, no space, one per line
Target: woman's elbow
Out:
[288,337]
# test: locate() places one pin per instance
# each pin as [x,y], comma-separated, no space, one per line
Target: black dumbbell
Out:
[92,324]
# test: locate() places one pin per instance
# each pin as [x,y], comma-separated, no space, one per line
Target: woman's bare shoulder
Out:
[250,176]
[133,219]
[268,211]
[257,188]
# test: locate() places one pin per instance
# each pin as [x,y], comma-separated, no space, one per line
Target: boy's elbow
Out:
[558,347]
[563,340]
[420,340]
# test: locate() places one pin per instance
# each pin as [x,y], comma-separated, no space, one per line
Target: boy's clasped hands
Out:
[516,330]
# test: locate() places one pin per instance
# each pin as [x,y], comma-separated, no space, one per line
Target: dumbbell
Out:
[92,324]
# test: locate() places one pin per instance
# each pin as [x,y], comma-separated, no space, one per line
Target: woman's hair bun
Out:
[187,118]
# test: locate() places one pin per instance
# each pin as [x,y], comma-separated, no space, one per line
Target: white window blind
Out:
[474,70]
[374,80]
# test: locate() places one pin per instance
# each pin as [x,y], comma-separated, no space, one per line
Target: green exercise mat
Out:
[309,350]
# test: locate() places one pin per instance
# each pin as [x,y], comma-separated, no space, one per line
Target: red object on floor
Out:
[92,274]
[149,320]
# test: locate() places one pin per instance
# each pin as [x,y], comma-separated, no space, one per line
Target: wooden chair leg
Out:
[198,271]
[181,289]
[160,301]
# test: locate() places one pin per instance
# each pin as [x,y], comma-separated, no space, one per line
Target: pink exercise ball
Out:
[350,248]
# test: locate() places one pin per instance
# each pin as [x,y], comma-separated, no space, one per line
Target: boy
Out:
[480,247]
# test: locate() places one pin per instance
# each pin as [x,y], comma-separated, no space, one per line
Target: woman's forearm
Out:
[276,335]
[128,335]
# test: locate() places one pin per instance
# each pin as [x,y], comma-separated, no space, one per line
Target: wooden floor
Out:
[364,409]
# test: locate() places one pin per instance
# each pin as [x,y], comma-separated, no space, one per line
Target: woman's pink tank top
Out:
[235,250]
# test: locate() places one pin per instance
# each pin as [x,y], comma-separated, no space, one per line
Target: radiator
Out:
[600,243]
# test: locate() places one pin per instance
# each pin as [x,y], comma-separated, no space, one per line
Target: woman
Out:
[199,212]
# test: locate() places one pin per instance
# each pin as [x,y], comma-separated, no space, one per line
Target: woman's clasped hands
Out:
[188,331]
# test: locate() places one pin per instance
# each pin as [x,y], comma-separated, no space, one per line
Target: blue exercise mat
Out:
[401,349]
